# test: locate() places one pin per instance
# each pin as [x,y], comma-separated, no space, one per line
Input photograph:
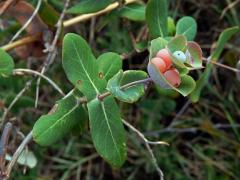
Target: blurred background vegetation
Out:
[204,137]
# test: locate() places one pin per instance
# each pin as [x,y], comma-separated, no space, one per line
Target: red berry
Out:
[173,77]
[164,54]
[159,63]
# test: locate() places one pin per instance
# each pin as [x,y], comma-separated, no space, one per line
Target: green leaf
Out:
[135,12]
[178,43]
[109,64]
[171,26]
[201,82]
[89,6]
[156,45]
[187,83]
[48,14]
[187,26]
[81,66]
[194,54]
[131,94]
[107,130]
[6,63]
[52,127]
[195,95]
[156,17]
[223,38]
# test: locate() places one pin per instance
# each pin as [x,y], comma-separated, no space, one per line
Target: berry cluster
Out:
[164,64]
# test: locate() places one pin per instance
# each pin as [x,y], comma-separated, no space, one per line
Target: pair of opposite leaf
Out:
[168,67]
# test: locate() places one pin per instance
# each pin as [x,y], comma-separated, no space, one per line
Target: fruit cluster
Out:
[164,64]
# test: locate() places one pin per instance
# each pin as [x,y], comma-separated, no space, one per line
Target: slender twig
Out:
[6,5]
[28,21]
[85,17]
[3,146]
[222,65]
[21,42]
[141,135]
[17,153]
[147,142]
[52,49]
[189,130]
[29,71]
[17,97]
[230,6]
[182,110]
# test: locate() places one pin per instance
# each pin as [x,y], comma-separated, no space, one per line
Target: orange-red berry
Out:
[165,56]
[159,63]
[173,77]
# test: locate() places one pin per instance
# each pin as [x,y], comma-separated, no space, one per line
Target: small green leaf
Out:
[171,26]
[156,17]
[223,38]
[107,130]
[194,53]
[6,63]
[81,66]
[48,14]
[52,127]
[109,64]
[187,83]
[131,94]
[178,43]
[156,45]
[187,26]
[195,95]
[134,11]
[89,6]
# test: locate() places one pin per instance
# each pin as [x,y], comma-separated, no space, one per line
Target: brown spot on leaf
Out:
[79,82]
[100,75]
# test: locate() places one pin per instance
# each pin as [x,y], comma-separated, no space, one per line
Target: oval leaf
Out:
[107,130]
[223,38]
[81,66]
[6,63]
[109,64]
[194,53]
[52,127]
[156,17]
[187,26]
[171,26]
[178,43]
[131,94]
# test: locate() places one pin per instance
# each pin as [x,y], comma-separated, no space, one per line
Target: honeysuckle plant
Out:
[99,82]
